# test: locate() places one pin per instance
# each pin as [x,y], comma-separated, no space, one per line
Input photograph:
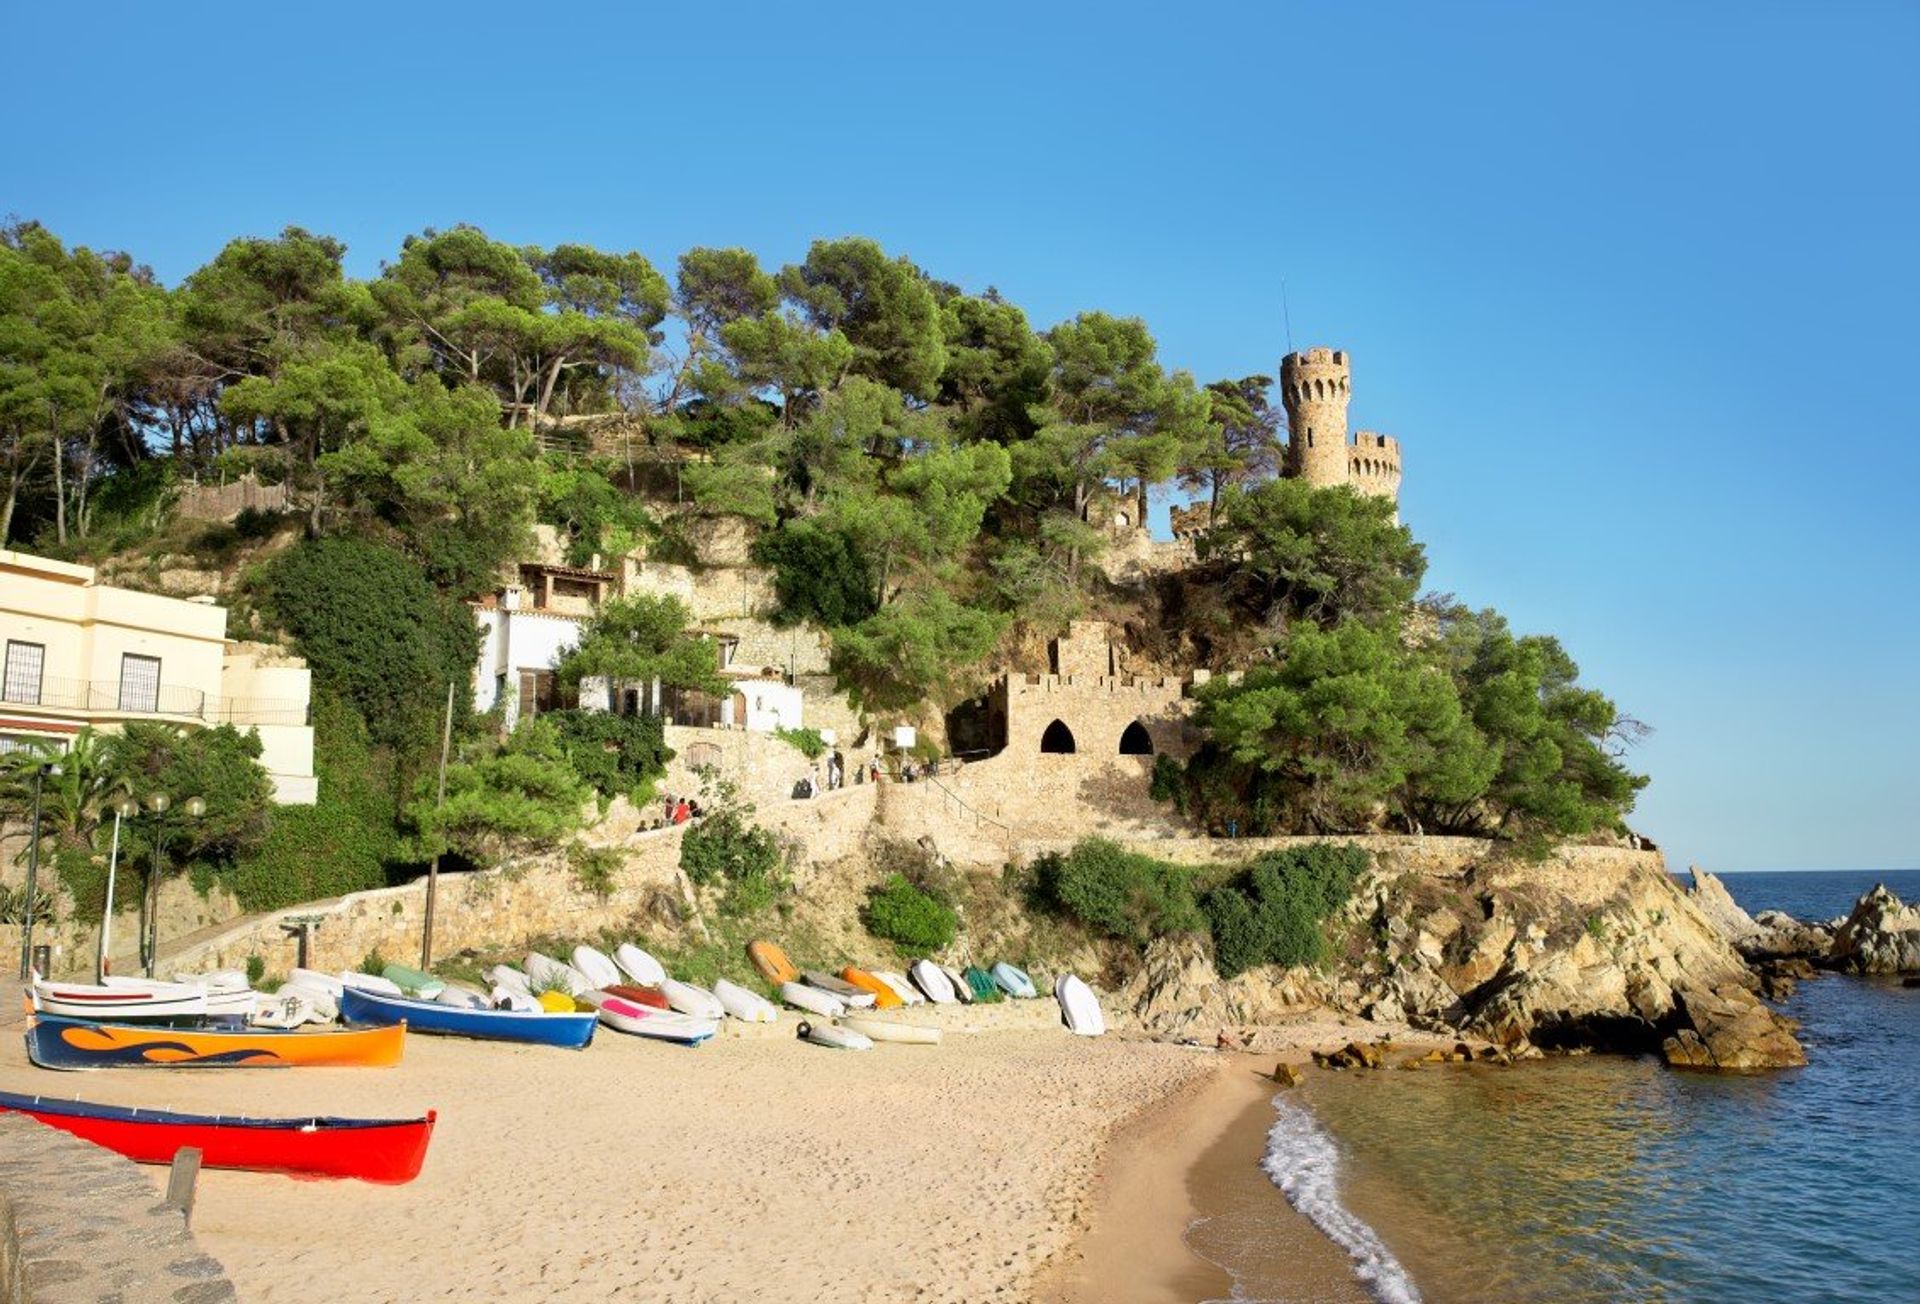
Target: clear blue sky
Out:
[1636,286]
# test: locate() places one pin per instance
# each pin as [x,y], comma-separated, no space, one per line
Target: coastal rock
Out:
[1783,936]
[1178,993]
[1711,898]
[1730,1030]
[1882,935]
[1286,1075]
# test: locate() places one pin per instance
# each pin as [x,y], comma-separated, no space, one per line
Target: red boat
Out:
[640,995]
[371,1149]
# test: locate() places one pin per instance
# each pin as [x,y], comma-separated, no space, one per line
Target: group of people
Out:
[812,783]
[681,809]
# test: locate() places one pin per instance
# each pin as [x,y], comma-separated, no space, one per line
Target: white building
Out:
[527,627]
[83,654]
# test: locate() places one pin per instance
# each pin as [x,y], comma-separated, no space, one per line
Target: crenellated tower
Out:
[1315,385]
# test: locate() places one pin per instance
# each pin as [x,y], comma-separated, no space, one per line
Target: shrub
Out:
[375,632]
[918,921]
[725,848]
[817,574]
[1272,912]
[1118,893]
[256,969]
[344,842]
[593,868]
[807,742]
[618,755]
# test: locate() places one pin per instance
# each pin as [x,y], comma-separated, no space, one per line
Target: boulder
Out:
[1729,1029]
[1882,935]
[1286,1075]
[1784,936]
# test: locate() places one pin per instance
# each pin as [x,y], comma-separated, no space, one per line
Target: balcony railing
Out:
[111,697]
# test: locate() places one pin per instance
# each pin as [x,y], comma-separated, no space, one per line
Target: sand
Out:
[1011,1162]
[750,1168]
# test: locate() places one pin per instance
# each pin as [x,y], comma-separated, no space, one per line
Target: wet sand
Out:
[1181,1194]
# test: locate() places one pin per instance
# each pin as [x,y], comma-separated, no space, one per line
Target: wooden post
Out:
[181,1178]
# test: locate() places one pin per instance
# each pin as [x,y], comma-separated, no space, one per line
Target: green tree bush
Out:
[615,755]
[917,920]
[504,799]
[724,847]
[817,575]
[1274,910]
[1118,893]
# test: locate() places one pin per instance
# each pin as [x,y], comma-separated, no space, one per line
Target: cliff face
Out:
[1594,948]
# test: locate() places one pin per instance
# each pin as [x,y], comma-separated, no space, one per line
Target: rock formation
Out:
[1882,935]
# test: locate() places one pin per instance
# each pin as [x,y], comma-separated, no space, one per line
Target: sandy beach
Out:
[635,1170]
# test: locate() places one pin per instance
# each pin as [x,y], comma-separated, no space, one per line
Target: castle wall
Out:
[1315,385]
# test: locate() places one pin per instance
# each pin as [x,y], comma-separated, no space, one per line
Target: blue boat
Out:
[1014,982]
[539,1028]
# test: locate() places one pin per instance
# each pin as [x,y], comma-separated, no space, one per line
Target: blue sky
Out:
[1635,286]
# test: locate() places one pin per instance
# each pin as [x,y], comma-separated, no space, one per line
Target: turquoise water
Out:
[1610,1178]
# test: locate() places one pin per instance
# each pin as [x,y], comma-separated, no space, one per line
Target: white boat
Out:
[962,989]
[508,977]
[544,973]
[906,991]
[370,982]
[117,999]
[638,965]
[645,1021]
[825,1034]
[929,978]
[596,967]
[1079,1007]
[692,1000]
[293,1007]
[505,998]
[813,1000]
[875,1028]
[462,998]
[746,1006]
[325,982]
[854,998]
[228,995]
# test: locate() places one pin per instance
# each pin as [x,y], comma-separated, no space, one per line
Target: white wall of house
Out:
[770,704]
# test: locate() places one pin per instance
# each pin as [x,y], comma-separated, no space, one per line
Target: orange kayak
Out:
[772,962]
[67,1044]
[884,997]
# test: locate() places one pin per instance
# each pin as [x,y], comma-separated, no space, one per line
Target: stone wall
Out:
[505,909]
[713,594]
[80,1223]
[75,942]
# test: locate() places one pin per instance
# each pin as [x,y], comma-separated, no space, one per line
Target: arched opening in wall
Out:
[1057,738]
[1134,741]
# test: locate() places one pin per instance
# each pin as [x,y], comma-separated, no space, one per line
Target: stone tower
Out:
[1315,385]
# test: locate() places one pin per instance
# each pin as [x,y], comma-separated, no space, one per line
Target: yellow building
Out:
[79,652]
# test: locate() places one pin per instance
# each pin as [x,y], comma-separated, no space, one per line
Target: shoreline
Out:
[1174,1196]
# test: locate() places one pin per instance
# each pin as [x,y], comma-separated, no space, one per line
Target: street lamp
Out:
[124,809]
[158,803]
[41,773]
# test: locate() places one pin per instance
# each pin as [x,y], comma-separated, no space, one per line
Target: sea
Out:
[1604,1178]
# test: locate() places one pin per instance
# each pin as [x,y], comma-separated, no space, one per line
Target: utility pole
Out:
[433,868]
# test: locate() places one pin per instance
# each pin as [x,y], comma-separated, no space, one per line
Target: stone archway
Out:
[1058,738]
[1136,741]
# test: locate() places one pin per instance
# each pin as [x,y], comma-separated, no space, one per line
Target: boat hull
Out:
[72,1044]
[372,1150]
[571,1030]
[146,1001]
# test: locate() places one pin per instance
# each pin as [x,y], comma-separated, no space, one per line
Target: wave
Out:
[1303,1162]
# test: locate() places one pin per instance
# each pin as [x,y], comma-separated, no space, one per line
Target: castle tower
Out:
[1315,385]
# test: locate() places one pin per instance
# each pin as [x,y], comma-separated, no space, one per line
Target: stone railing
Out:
[79,1223]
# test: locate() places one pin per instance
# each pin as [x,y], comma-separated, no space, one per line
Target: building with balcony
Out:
[79,653]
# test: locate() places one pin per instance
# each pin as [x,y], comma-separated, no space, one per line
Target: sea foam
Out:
[1304,1163]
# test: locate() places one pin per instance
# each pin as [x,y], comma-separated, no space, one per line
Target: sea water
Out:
[1613,1178]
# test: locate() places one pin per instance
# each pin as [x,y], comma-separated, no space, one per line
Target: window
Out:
[1057,738]
[1135,741]
[25,662]
[139,683]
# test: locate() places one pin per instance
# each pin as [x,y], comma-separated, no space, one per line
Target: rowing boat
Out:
[372,1149]
[55,1043]
[573,1029]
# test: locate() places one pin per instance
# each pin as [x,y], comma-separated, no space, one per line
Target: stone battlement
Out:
[1021,684]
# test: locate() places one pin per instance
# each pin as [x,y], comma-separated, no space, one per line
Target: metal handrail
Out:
[110,696]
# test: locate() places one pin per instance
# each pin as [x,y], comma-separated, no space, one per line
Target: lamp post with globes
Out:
[159,803]
[41,773]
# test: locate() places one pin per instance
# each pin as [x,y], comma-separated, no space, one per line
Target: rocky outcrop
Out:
[1177,992]
[1711,898]
[1881,935]
[1565,955]
[1784,937]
